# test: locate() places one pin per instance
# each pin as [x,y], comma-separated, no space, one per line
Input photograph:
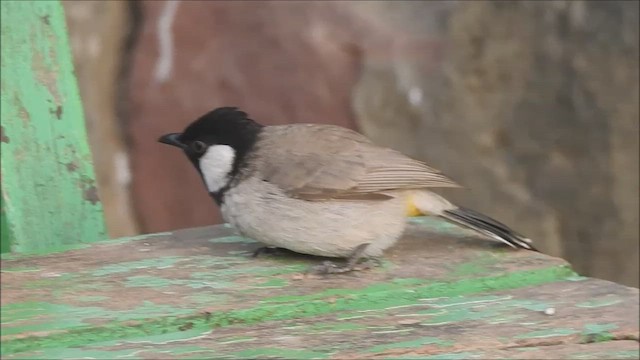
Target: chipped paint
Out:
[273,283]
[92,298]
[442,227]
[129,239]
[476,266]
[547,333]
[624,354]
[379,296]
[46,207]
[231,240]
[453,356]
[595,303]
[416,343]
[281,353]
[53,249]
[598,332]
[123,267]
[21,269]
[212,300]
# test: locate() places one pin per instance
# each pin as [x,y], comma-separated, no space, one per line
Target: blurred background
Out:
[532,105]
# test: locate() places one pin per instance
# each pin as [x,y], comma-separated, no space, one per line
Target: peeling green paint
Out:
[280,353]
[232,240]
[126,240]
[21,316]
[209,298]
[92,298]
[41,316]
[47,208]
[123,267]
[476,266]
[52,249]
[461,314]
[416,343]
[20,269]
[445,356]
[439,226]
[273,283]
[75,353]
[434,289]
[547,333]
[236,339]
[198,281]
[381,296]
[53,281]
[532,305]
[164,338]
[335,327]
[577,278]
[624,354]
[595,303]
[597,332]
[598,328]
[465,300]
[149,281]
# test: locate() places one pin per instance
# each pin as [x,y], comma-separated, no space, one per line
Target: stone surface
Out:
[440,293]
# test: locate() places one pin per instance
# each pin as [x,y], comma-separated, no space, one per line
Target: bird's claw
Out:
[266,250]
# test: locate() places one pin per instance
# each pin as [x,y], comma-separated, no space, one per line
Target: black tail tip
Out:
[490,228]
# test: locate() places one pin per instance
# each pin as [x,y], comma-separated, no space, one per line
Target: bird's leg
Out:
[269,250]
[329,267]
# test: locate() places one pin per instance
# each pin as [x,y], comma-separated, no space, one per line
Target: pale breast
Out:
[261,211]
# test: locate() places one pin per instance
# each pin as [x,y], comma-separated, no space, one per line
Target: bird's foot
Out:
[268,250]
[353,264]
[330,267]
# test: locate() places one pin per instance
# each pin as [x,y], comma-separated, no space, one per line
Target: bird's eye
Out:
[198,147]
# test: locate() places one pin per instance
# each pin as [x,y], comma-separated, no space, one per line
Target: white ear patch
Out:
[216,165]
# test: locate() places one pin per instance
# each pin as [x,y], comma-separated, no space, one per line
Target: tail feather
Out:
[488,227]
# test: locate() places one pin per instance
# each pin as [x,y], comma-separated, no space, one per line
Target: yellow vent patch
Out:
[412,210]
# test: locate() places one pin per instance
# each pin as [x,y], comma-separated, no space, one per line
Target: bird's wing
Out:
[317,162]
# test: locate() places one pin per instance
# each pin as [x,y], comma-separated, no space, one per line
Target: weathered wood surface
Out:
[49,197]
[440,294]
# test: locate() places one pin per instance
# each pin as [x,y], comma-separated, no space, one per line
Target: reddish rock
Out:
[282,63]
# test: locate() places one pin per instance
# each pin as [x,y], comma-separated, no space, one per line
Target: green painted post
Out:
[49,194]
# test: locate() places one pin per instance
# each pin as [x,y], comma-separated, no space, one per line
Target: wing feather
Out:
[316,162]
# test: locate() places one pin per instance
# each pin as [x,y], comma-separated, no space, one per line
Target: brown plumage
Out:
[319,189]
[316,162]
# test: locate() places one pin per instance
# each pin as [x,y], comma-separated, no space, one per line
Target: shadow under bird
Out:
[319,189]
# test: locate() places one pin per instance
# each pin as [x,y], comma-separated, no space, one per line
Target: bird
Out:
[319,189]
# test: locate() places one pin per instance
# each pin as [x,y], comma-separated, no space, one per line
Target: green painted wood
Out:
[5,243]
[197,293]
[48,185]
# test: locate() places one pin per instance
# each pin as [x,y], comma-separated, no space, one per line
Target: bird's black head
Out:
[216,144]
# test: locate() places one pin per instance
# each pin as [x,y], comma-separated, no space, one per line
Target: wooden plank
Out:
[49,195]
[197,293]
[5,242]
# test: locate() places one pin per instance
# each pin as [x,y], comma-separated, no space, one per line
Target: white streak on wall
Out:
[122,168]
[164,64]
[415,96]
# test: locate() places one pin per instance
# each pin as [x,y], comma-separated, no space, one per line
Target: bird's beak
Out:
[172,139]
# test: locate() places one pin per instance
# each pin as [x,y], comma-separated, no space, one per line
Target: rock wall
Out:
[98,32]
[533,106]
